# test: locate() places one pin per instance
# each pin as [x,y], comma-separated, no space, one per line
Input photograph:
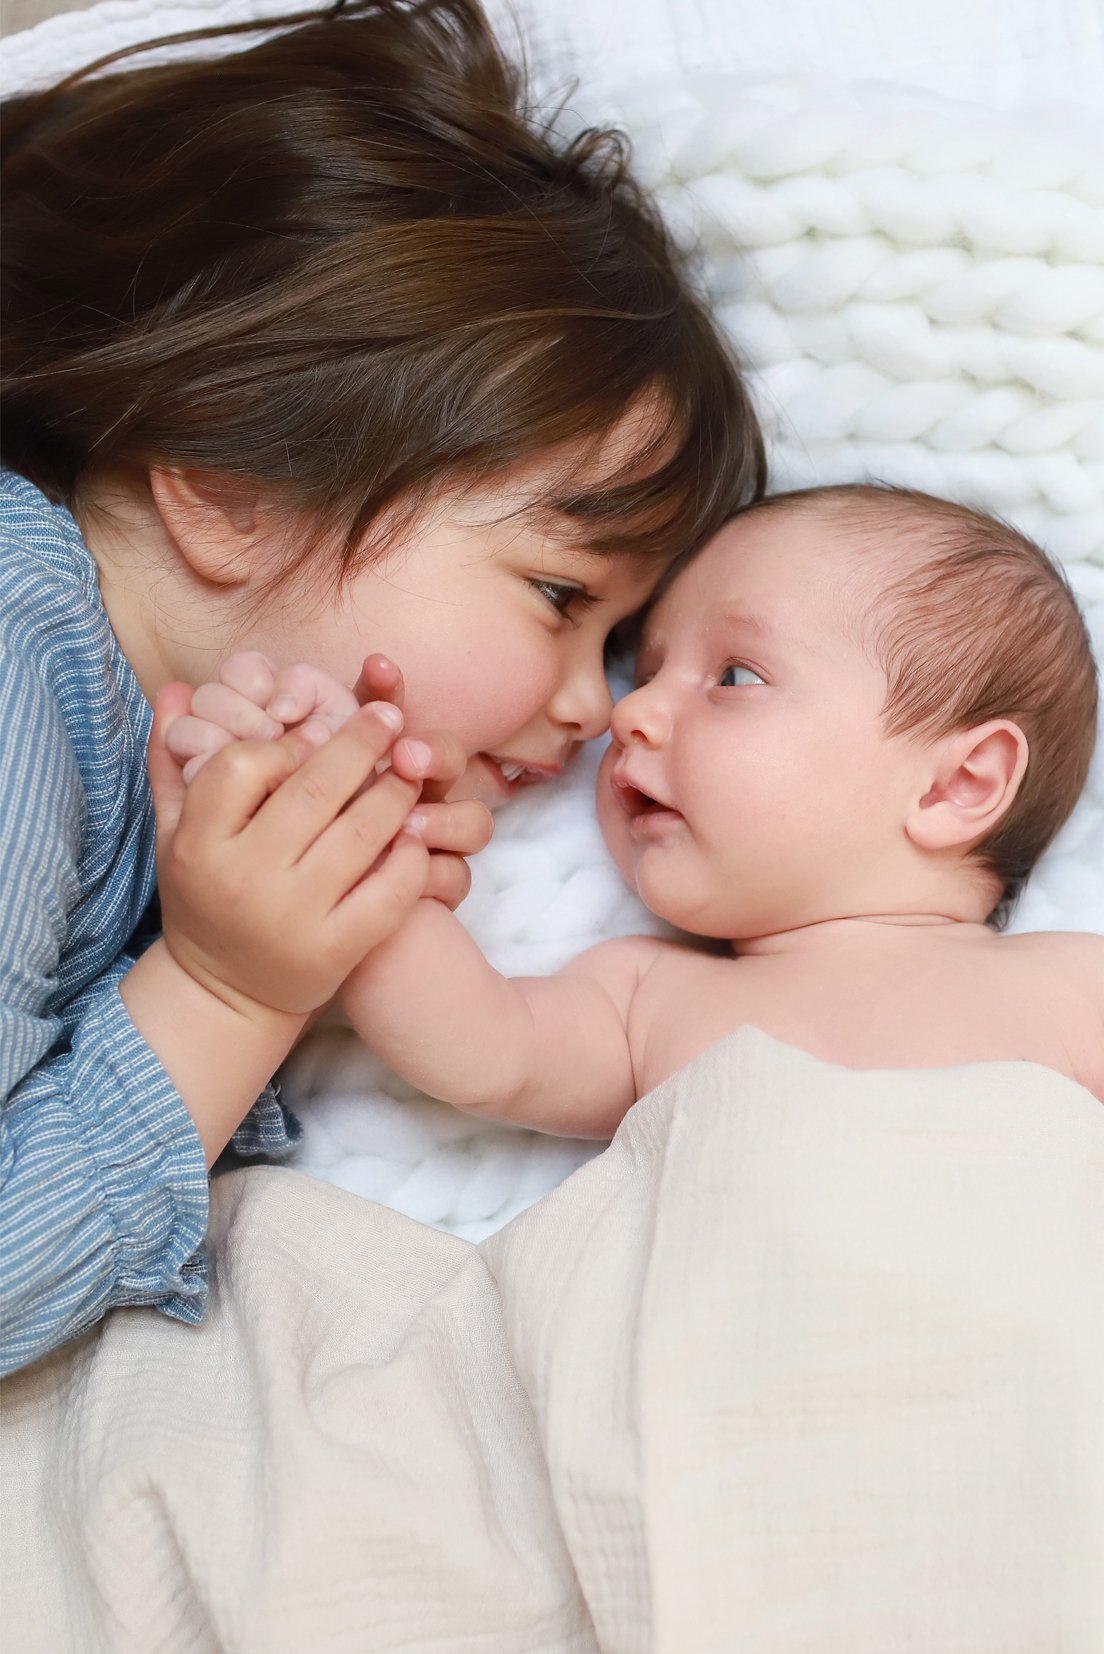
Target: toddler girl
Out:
[314,350]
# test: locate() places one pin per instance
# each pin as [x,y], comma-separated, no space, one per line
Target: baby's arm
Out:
[552,1053]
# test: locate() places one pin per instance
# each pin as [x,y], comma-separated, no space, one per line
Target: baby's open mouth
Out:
[640,806]
[634,802]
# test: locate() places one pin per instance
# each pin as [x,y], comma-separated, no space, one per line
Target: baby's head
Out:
[853,701]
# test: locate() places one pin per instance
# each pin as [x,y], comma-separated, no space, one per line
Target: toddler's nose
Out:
[583,700]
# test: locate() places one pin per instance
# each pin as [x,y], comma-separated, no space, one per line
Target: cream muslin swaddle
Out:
[808,1362]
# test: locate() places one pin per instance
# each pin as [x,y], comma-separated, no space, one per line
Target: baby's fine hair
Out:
[351,265]
[976,622]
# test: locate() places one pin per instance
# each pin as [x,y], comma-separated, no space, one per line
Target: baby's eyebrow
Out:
[731,614]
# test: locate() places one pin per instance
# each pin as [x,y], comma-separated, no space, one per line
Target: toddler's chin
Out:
[481,783]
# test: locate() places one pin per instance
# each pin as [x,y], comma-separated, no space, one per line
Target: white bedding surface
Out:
[900,210]
[999,53]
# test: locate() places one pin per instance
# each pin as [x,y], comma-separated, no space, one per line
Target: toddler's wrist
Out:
[196,977]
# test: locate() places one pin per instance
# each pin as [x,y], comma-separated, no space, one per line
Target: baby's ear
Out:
[213,521]
[974,776]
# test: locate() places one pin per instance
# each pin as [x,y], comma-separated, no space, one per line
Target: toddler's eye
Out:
[561,597]
[737,677]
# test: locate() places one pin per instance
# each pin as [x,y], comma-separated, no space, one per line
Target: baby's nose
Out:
[638,719]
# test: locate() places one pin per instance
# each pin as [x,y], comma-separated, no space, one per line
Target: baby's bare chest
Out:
[934,1011]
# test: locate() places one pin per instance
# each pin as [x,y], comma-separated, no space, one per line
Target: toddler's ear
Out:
[213,521]
[974,777]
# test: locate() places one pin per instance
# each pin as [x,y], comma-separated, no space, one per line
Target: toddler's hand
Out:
[279,869]
[255,700]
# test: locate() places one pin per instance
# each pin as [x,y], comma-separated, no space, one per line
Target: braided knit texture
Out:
[916,285]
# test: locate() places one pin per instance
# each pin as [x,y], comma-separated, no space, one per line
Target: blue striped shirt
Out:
[103,1187]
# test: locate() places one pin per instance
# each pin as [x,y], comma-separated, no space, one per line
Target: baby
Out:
[861,716]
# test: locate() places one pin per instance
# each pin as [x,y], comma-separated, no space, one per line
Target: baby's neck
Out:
[873,931]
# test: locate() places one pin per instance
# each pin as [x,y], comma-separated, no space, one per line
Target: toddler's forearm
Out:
[219,1055]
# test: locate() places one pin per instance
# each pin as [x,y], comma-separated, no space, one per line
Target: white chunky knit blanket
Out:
[916,284]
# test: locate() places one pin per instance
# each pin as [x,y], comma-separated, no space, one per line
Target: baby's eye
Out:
[561,597]
[737,676]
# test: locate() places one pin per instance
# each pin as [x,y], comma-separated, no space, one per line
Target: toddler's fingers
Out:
[194,765]
[436,759]
[377,906]
[208,739]
[307,802]
[380,680]
[303,691]
[232,784]
[448,880]
[352,846]
[465,827]
[250,673]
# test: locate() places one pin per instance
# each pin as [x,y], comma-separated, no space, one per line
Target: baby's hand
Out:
[255,700]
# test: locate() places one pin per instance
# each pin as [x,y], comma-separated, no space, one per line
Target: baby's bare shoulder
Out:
[1059,980]
[1073,950]
[1069,968]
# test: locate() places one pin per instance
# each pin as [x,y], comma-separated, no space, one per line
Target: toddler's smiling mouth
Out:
[511,774]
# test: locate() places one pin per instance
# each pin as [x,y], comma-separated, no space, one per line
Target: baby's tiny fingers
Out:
[303,691]
[465,827]
[234,712]
[250,673]
[190,737]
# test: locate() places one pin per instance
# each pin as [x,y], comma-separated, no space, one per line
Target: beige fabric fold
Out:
[808,1360]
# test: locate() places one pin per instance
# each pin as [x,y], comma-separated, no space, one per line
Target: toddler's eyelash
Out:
[565,598]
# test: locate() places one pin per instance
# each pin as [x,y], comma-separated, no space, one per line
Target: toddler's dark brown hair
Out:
[347,263]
